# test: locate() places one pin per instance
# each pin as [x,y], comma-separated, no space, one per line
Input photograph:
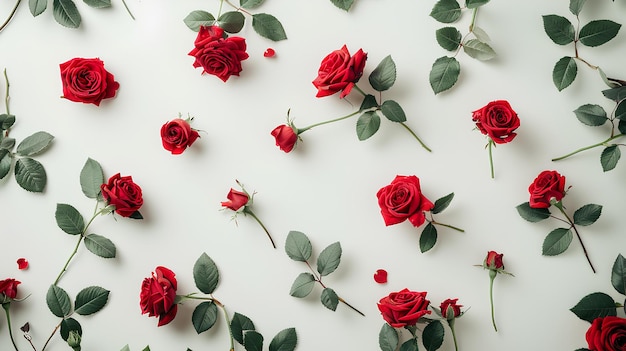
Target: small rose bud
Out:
[493,261]
[450,309]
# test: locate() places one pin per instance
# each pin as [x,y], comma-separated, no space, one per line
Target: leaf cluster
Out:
[446,69]
[432,337]
[29,173]
[65,12]
[428,238]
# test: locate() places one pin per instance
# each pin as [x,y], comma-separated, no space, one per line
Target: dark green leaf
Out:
[393,111]
[621,126]
[442,203]
[444,74]
[532,214]
[30,174]
[37,7]
[285,340]
[66,13]
[98,4]
[6,121]
[100,246]
[238,325]
[34,144]
[557,242]
[343,4]
[409,345]
[575,6]
[5,163]
[330,299]
[69,219]
[559,29]
[446,11]
[367,125]
[388,338]
[618,274]
[616,94]
[598,32]
[58,301]
[91,178]
[620,111]
[329,259]
[205,274]
[428,238]
[90,300]
[369,101]
[609,157]
[564,72]
[231,22]
[196,19]
[147,348]
[591,115]
[303,285]
[432,336]
[253,341]
[70,324]
[7,143]
[298,247]
[204,316]
[471,4]
[587,214]
[384,75]
[593,306]
[250,4]
[268,27]
[448,38]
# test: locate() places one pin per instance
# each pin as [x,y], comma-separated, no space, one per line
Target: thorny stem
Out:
[588,147]
[128,10]
[246,210]
[319,280]
[6,307]
[559,205]
[416,137]
[302,130]
[6,22]
[492,277]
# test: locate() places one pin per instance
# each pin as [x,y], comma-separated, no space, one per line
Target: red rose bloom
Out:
[450,309]
[286,137]
[124,194]
[217,55]
[158,294]
[177,135]
[8,288]
[547,185]
[86,80]
[236,200]
[403,199]
[497,120]
[607,334]
[493,260]
[339,71]
[403,308]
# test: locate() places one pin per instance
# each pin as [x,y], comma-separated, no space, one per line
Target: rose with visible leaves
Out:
[218,55]
[158,295]
[286,137]
[124,194]
[403,308]
[402,200]
[177,135]
[86,80]
[236,199]
[607,334]
[548,185]
[8,289]
[339,72]
[497,120]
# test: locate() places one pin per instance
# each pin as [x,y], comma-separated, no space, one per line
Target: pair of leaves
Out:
[264,24]
[432,338]
[343,4]
[428,238]
[29,173]
[65,12]
[449,11]
[88,301]
[243,331]
[206,277]
[71,221]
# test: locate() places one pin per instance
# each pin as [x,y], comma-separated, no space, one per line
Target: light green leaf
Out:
[100,246]
[388,338]
[479,50]
[448,38]
[34,144]
[98,4]
[58,301]
[384,75]
[618,274]
[7,143]
[238,325]
[91,178]
[575,6]
[196,19]
[532,214]
[66,13]
[5,163]
[69,219]
[557,242]
[204,316]
[444,74]
[564,72]
[285,340]
[37,7]
[593,306]
[472,4]
[329,259]
[343,4]
[268,27]
[598,32]
[591,115]
[587,215]
[481,34]
[367,125]
[428,238]
[442,203]
[253,341]
[559,29]
[250,4]
[298,247]
[393,111]
[446,11]
[205,274]
[90,300]
[303,285]
[432,336]
[329,299]
[125,348]
[231,22]
[30,174]
[609,157]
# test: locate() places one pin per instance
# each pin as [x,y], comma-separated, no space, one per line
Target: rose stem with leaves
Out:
[248,211]
[192,296]
[603,143]
[569,221]
[432,221]
[319,280]
[302,130]
[6,307]
[128,10]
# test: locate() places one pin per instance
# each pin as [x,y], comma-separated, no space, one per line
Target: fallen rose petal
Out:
[22,263]
[380,276]
[269,52]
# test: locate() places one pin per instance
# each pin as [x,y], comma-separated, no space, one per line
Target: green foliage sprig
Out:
[264,24]
[475,43]
[432,336]
[562,32]
[298,247]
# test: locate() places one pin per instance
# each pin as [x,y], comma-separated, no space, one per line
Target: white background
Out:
[326,188]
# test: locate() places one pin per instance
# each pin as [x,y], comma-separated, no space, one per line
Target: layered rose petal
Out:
[547,185]
[177,136]
[339,71]
[217,55]
[497,120]
[123,193]
[402,200]
[403,308]
[236,200]
[86,80]
[158,295]
[286,137]
[607,334]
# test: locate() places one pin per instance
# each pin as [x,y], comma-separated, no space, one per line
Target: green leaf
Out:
[343,4]
[37,7]
[204,316]
[593,306]
[369,101]
[446,11]
[253,341]
[367,125]
[557,242]
[479,50]
[621,126]
[432,336]
[5,163]
[330,299]
[69,219]
[620,111]
[231,22]
[34,144]
[66,13]
[609,157]
[268,27]
[7,143]
[442,203]
[472,4]
[329,259]
[559,29]
[91,178]
[481,34]
[196,19]
[100,246]
[250,4]
[30,174]
[147,348]
[587,214]
[409,345]
[90,300]
[598,32]
[575,6]
[285,340]
[58,301]
[564,72]
[6,121]
[591,115]
[532,214]
[238,325]
[298,247]
[303,285]
[618,274]
[393,111]
[125,348]
[616,94]
[205,274]
[428,238]
[383,76]
[388,338]
[98,4]
[448,38]
[68,325]
[444,74]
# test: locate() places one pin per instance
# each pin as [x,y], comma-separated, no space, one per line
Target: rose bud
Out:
[286,137]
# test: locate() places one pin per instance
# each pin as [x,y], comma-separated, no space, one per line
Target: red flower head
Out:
[450,309]
[177,136]
[236,199]
[124,194]
[403,308]
[86,80]
[339,71]
[8,288]
[547,185]
[497,120]
[286,137]
[158,294]
[403,199]
[217,55]
[607,334]
[493,261]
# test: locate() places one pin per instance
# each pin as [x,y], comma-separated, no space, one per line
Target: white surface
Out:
[326,188]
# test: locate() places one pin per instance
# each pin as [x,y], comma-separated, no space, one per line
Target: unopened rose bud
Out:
[493,261]
[73,340]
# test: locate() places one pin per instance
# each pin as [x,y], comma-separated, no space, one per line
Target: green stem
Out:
[471,27]
[128,10]
[319,280]
[448,226]
[6,307]
[490,144]
[559,205]
[50,337]
[246,210]
[10,15]
[359,90]
[230,332]
[302,130]
[451,324]
[6,95]
[588,147]
[352,307]
[219,11]
[492,277]
[416,137]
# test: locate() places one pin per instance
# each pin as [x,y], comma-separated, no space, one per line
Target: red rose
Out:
[547,185]
[286,137]
[237,199]
[8,288]
[403,199]
[217,55]
[177,135]
[607,334]
[124,194]
[339,71]
[497,120]
[158,294]
[86,80]
[403,308]
[450,309]
[493,260]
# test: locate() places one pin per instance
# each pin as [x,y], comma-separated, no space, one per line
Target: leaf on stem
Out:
[58,301]
[303,285]
[66,13]
[204,316]
[479,50]
[446,11]
[367,125]
[448,38]
[250,4]
[383,76]
[432,336]
[98,4]
[559,29]
[591,114]
[285,340]
[206,274]
[37,7]
[268,27]
[298,246]
[196,19]
[240,324]
[388,338]
[564,72]
[343,4]
[91,178]
[329,259]
[329,299]
[428,238]
[444,74]
[575,6]
[557,242]
[69,219]
[595,305]
[532,214]
[90,300]
[34,144]
[231,22]
[100,246]
[620,111]
[598,32]
[68,325]
[393,111]
[609,157]
[5,162]
[587,215]
[618,274]
[616,94]
[442,203]
[30,174]
[253,341]
[472,4]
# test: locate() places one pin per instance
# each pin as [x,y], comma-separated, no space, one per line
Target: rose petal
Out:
[269,52]
[22,263]
[380,276]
